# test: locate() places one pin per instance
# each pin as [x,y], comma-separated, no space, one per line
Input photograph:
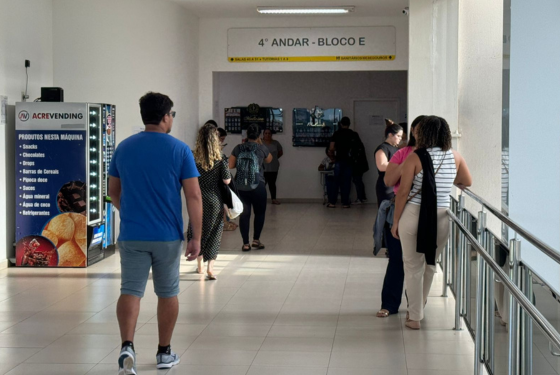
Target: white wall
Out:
[25,34]
[298,178]
[534,129]
[213,50]
[116,51]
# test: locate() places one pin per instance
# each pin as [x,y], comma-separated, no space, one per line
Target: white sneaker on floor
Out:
[357,201]
[127,361]
[167,360]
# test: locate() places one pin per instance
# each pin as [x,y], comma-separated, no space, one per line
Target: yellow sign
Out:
[309,59]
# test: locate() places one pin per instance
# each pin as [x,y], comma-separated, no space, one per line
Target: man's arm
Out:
[193,196]
[115,190]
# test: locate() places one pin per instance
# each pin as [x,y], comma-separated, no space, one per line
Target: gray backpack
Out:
[247,165]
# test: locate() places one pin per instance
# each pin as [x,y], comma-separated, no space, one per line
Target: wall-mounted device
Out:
[52,94]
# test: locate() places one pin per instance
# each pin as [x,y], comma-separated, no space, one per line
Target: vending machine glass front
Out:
[95,162]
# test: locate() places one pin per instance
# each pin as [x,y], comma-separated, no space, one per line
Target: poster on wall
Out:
[237,119]
[314,127]
[313,44]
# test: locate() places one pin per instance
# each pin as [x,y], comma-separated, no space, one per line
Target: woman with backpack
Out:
[248,159]
[213,171]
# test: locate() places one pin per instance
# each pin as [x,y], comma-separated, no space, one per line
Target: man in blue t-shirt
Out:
[147,173]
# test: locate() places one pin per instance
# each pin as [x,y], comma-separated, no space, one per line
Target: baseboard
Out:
[299,200]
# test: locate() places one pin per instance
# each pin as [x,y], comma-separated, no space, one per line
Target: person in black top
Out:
[383,154]
[341,143]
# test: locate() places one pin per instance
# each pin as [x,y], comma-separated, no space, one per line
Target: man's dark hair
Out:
[253,132]
[411,139]
[434,131]
[212,122]
[153,107]
[345,121]
[221,132]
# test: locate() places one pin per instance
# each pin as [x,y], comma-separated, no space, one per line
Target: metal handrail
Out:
[549,331]
[516,227]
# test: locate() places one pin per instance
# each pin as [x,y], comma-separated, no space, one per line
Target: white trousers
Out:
[418,274]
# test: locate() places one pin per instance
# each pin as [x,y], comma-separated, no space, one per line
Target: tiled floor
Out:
[305,305]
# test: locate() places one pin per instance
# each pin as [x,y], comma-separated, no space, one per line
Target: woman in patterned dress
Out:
[213,171]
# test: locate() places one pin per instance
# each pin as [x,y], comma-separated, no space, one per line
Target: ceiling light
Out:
[305,10]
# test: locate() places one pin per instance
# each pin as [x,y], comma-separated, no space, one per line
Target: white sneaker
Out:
[167,360]
[357,201]
[127,361]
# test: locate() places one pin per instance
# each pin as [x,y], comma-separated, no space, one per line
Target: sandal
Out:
[258,245]
[211,276]
[345,206]
[229,226]
[246,248]
[276,202]
[413,324]
[331,206]
[383,313]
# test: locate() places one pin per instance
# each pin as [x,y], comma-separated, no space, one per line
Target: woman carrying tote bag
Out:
[213,171]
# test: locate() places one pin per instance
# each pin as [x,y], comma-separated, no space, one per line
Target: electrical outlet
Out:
[27,64]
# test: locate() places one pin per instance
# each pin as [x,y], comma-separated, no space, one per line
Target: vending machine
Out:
[108,118]
[62,155]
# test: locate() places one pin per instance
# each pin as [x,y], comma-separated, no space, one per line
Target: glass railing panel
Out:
[544,362]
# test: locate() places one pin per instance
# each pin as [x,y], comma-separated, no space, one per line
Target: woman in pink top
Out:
[391,294]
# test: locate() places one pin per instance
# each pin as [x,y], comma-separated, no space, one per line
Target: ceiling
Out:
[247,8]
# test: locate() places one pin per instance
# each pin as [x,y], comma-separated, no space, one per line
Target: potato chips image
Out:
[70,255]
[68,232]
[51,236]
[63,227]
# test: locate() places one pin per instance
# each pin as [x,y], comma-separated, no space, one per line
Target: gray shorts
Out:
[137,257]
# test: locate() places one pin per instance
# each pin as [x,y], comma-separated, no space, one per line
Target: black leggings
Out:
[270,178]
[257,199]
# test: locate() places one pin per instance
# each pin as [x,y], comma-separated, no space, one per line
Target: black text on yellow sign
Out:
[310,59]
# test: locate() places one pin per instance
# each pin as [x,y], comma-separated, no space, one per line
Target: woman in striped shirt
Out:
[420,219]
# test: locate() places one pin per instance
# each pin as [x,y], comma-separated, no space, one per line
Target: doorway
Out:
[369,122]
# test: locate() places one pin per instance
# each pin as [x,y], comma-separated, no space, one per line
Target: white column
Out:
[535,129]
[480,96]
[420,66]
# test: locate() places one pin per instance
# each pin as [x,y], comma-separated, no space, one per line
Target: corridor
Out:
[304,306]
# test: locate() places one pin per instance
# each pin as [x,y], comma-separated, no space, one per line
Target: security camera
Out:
[405,11]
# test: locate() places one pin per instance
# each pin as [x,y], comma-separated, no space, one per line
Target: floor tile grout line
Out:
[339,310]
[276,318]
[223,307]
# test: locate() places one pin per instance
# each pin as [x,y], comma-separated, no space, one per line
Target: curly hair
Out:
[207,151]
[415,123]
[433,131]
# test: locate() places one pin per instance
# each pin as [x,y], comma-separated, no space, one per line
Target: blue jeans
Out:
[332,188]
[393,284]
[360,187]
[343,178]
